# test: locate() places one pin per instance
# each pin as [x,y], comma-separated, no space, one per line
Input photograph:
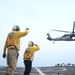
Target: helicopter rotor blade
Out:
[62,31]
[73,27]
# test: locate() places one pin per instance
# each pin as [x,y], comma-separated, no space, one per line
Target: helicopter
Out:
[66,37]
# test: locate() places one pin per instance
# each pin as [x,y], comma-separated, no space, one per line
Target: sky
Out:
[40,16]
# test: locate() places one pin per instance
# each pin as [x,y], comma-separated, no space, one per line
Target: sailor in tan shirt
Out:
[12,45]
[29,56]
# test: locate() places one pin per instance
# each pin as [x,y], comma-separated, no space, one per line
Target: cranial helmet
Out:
[31,43]
[16,28]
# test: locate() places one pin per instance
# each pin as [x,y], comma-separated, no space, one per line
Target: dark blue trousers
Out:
[28,66]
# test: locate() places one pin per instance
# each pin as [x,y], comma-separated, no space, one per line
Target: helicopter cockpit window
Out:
[64,35]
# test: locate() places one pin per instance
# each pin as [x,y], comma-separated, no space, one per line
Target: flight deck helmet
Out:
[16,28]
[31,43]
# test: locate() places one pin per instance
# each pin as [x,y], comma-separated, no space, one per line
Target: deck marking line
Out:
[40,72]
[15,72]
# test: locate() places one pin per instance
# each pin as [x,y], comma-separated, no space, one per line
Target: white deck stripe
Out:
[40,72]
[15,72]
[2,71]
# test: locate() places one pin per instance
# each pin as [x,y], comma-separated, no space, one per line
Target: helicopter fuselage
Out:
[66,37]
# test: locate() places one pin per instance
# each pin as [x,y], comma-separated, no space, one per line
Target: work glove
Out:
[27,28]
[4,55]
[35,44]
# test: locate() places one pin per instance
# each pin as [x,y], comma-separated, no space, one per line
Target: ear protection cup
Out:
[17,28]
[32,44]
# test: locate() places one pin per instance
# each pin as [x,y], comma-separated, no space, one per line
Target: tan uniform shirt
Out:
[29,52]
[13,39]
